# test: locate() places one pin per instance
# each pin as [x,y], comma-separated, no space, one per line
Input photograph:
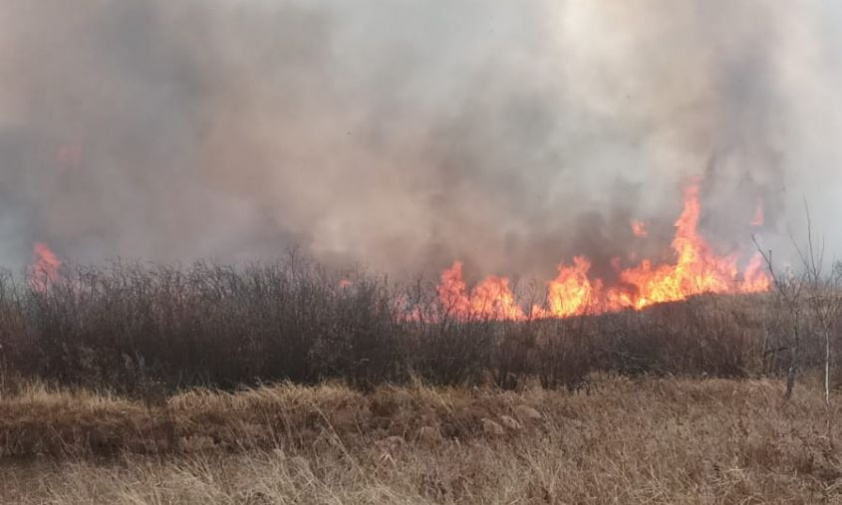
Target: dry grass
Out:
[651,441]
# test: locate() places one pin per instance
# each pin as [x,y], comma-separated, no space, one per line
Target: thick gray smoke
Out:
[404,134]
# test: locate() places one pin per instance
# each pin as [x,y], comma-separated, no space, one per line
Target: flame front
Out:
[573,292]
[492,298]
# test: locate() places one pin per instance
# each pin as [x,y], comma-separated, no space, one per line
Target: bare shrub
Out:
[810,303]
[145,329]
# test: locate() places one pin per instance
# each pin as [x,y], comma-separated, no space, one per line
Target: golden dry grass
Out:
[627,442]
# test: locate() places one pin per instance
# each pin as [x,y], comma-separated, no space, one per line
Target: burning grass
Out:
[650,441]
[151,329]
[696,270]
[145,330]
[148,330]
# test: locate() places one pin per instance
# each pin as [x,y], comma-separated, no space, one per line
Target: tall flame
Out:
[573,292]
[45,268]
[492,298]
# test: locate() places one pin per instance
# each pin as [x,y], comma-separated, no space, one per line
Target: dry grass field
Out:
[621,441]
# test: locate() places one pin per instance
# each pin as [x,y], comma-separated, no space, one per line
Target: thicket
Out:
[136,328]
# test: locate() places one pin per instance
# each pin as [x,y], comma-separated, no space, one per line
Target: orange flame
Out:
[755,278]
[45,268]
[696,270]
[572,291]
[491,299]
[639,228]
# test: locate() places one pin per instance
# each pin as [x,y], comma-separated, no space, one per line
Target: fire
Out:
[492,298]
[45,267]
[755,278]
[639,229]
[573,292]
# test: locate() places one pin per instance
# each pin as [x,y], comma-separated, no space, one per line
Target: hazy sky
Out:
[404,134]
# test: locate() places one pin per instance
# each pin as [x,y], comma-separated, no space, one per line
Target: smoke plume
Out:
[405,134]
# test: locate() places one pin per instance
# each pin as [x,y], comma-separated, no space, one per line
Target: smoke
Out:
[405,134]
